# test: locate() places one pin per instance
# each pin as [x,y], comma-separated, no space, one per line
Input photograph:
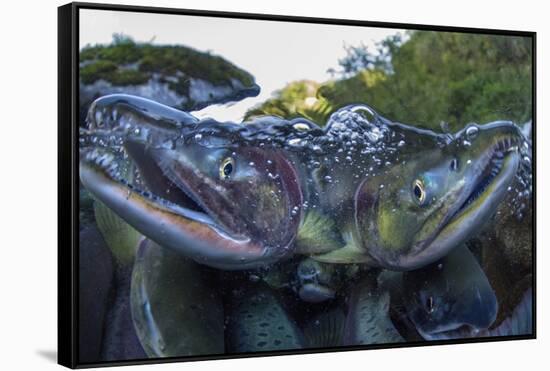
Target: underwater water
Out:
[217,237]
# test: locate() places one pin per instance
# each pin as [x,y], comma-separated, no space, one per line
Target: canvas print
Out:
[250,186]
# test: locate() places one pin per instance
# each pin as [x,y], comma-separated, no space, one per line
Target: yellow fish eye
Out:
[227,167]
[419,191]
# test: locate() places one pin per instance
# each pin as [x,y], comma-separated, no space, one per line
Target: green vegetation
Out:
[298,99]
[432,77]
[125,62]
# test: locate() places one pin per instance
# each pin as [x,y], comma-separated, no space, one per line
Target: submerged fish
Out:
[368,320]
[326,329]
[121,238]
[259,322]
[318,282]
[430,200]
[175,309]
[237,196]
[196,199]
[451,298]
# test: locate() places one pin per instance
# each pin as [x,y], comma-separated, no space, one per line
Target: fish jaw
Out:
[192,233]
[270,191]
[484,312]
[491,164]
[315,293]
[463,224]
[454,332]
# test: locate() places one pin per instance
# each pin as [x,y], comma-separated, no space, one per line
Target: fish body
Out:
[368,319]
[451,298]
[317,282]
[120,237]
[175,309]
[236,196]
[258,321]
[326,329]
[428,198]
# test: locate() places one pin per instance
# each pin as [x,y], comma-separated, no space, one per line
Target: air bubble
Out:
[301,126]
[296,142]
[471,132]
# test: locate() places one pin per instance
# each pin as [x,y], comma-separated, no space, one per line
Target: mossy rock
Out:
[174,75]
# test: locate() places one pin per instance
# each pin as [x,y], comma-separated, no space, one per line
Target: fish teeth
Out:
[103,159]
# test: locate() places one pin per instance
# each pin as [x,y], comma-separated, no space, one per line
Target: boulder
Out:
[175,75]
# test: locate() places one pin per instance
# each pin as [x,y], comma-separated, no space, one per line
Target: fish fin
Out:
[119,236]
[326,329]
[317,234]
[348,254]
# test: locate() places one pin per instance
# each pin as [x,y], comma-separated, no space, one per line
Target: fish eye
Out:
[419,191]
[454,164]
[226,168]
[430,304]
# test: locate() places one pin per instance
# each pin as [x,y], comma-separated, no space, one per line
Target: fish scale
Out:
[368,320]
[258,322]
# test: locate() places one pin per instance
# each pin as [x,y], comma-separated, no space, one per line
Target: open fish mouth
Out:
[498,165]
[184,225]
[104,165]
[491,175]
[179,198]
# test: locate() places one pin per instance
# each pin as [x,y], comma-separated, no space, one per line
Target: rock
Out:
[120,340]
[174,75]
[95,283]
[86,208]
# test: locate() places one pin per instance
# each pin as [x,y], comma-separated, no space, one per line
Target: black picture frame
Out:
[68,179]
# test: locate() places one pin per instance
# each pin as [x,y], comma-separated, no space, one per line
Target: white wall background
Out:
[28,184]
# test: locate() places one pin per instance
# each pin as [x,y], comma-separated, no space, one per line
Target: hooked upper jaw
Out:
[435,201]
[479,200]
[489,178]
[194,233]
[182,208]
